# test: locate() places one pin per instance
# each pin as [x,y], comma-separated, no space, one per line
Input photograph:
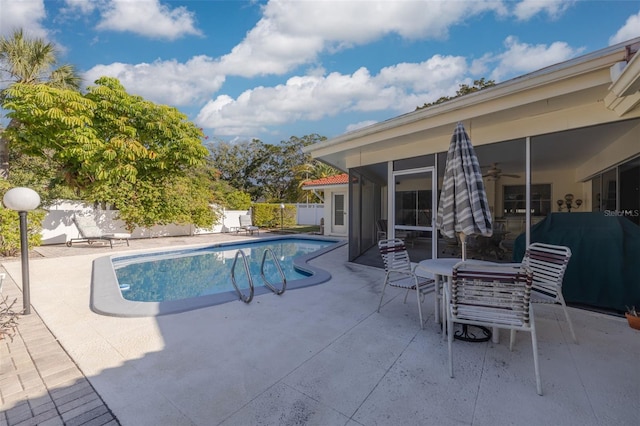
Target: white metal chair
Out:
[381,229]
[400,273]
[492,296]
[548,263]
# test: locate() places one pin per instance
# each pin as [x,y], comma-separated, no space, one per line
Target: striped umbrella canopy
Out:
[463,207]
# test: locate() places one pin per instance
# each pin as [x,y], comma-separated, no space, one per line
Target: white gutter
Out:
[624,92]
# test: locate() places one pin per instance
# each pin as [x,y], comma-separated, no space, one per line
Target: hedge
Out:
[266,215]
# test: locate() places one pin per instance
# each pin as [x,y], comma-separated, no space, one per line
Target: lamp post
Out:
[23,200]
[281,217]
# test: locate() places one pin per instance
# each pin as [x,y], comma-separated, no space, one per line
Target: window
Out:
[515,200]
[617,190]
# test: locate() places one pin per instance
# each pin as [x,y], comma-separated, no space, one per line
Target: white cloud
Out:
[27,14]
[629,30]
[296,32]
[167,82]
[313,97]
[527,9]
[521,58]
[148,18]
[83,7]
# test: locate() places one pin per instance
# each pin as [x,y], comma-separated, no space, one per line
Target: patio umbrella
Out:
[463,207]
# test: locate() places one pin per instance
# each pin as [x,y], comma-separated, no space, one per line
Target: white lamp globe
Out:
[21,199]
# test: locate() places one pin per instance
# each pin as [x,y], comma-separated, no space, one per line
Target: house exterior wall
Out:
[621,149]
[328,210]
[579,118]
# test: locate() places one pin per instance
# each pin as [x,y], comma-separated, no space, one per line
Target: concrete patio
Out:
[320,355]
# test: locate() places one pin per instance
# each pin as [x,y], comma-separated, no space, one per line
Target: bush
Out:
[10,227]
[269,215]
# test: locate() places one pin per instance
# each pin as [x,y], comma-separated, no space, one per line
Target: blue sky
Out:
[275,69]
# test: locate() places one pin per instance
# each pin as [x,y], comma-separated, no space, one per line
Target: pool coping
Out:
[106,297]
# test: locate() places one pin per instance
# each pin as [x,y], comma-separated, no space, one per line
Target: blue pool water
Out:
[183,274]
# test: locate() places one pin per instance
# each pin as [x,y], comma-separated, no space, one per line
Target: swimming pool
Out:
[166,282]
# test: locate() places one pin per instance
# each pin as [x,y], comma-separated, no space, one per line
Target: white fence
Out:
[309,214]
[58,226]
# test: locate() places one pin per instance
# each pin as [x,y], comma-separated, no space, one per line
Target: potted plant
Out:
[632,317]
[8,318]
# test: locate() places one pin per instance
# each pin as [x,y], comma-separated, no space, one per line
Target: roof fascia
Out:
[322,187]
[624,92]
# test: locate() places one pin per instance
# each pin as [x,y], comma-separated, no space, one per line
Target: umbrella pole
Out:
[465,334]
[463,240]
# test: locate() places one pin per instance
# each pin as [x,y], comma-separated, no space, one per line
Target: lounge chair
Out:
[89,232]
[246,225]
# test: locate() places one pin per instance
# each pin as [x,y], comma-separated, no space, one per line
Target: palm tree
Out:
[312,170]
[30,61]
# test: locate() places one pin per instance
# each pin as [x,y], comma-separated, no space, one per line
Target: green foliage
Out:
[268,215]
[110,146]
[463,89]
[32,60]
[265,171]
[239,164]
[41,175]
[55,125]
[229,197]
[10,227]
[179,199]
[312,171]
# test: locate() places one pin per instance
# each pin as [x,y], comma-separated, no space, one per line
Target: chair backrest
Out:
[548,263]
[245,220]
[381,224]
[491,294]
[394,254]
[87,227]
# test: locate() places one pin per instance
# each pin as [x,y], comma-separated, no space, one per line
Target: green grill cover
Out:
[604,270]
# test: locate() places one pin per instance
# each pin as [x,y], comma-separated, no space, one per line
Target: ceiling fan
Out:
[495,172]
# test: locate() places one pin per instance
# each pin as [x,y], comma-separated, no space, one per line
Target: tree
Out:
[30,61]
[279,176]
[265,171]
[113,147]
[311,171]
[239,164]
[463,89]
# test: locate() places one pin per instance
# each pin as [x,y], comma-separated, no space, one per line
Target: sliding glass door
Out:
[412,209]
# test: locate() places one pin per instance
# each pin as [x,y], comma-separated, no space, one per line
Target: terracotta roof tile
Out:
[341,179]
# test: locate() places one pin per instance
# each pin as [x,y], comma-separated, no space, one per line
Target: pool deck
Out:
[315,356]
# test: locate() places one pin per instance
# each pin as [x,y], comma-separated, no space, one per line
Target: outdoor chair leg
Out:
[450,343]
[436,292]
[382,294]
[566,314]
[419,305]
[534,345]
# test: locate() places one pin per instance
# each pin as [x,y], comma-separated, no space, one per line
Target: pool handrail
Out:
[249,298]
[278,267]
